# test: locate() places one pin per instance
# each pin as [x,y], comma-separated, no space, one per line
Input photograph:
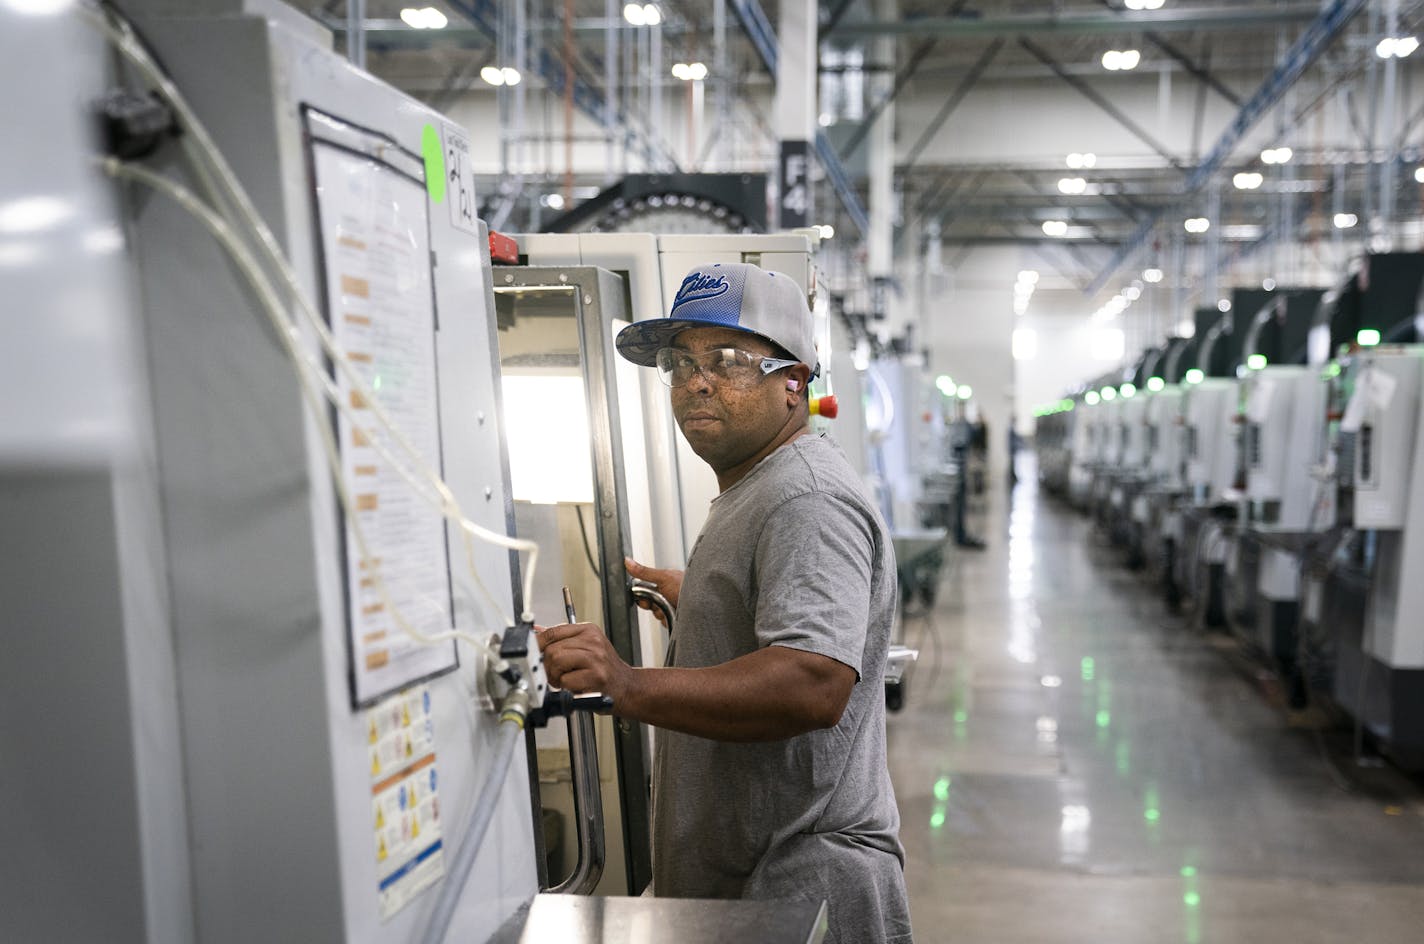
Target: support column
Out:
[796,71]
[881,159]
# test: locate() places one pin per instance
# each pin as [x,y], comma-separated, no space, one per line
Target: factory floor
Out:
[1073,764]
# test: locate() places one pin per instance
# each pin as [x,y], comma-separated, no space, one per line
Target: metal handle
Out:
[588,806]
[645,590]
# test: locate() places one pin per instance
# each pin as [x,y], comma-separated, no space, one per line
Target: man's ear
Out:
[797,379]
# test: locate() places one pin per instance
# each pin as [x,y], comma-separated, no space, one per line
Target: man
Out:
[770,777]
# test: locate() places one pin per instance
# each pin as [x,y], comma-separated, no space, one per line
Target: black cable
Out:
[587,547]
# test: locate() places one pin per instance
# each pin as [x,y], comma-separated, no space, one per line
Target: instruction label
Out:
[405,803]
[372,209]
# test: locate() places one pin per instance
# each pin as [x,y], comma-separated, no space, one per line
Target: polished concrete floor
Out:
[1074,763]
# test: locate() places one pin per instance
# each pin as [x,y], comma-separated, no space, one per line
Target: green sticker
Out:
[434,153]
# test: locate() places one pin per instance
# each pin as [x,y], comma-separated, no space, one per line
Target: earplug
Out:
[793,385]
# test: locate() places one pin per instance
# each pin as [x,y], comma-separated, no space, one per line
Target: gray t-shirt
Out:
[792,555]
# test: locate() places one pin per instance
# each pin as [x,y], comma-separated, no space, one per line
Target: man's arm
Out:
[768,695]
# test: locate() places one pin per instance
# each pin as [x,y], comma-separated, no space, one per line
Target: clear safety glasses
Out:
[724,365]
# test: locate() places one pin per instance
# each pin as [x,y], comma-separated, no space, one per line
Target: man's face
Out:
[725,424]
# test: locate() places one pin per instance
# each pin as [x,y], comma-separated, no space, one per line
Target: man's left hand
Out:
[579,658]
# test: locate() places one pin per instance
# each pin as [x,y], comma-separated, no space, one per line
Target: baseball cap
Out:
[735,295]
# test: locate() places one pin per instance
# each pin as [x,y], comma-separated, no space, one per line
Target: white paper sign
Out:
[459,181]
[379,290]
[1359,403]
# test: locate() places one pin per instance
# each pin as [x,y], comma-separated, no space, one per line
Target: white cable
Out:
[201,148]
[271,304]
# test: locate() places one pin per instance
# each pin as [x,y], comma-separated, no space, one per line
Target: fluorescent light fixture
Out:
[1247,180]
[1197,224]
[697,71]
[1396,47]
[633,13]
[1055,228]
[1156,384]
[1345,220]
[1256,362]
[511,75]
[1078,161]
[1153,275]
[493,75]
[1091,398]
[652,16]
[1195,376]
[1072,185]
[423,18]
[1367,337]
[1280,155]
[1121,60]
[680,71]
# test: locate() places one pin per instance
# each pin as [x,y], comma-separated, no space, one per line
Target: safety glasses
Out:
[724,365]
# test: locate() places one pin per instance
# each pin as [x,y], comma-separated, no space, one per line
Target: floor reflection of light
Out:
[1050,681]
[1073,833]
[1047,730]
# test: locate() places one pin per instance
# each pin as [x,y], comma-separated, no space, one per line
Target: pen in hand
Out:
[569,606]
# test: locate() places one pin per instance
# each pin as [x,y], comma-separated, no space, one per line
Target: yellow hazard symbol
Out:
[381,850]
[407,747]
[372,735]
[415,826]
[375,762]
[405,715]
[380,818]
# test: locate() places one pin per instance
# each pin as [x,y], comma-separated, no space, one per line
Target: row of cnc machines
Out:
[1267,475]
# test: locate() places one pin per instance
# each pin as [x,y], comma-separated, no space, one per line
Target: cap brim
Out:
[641,340]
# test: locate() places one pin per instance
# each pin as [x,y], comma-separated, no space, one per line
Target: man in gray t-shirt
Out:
[770,777]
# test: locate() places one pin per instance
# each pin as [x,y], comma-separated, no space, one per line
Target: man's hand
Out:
[579,658]
[668,583]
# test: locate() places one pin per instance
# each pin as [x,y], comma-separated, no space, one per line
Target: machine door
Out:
[567,467]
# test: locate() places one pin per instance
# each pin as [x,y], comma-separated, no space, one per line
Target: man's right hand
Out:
[667,582]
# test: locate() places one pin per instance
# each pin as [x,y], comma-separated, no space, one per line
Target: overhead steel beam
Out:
[1166,20]
[1303,52]
[961,90]
[1195,69]
[763,40]
[901,80]
[834,19]
[1097,98]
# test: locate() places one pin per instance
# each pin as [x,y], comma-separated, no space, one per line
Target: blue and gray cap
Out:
[735,295]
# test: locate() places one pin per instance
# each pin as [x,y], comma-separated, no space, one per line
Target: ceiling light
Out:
[1345,220]
[1280,155]
[679,71]
[1224,305]
[1397,47]
[1268,284]
[554,201]
[964,392]
[1028,277]
[1197,224]
[1247,180]
[423,18]
[827,231]
[1121,60]
[1091,398]
[511,75]
[1079,161]
[652,16]
[1152,275]
[826,119]
[1055,228]
[697,71]
[1419,175]
[1072,185]
[493,75]
[1133,293]
[1143,4]
[633,13]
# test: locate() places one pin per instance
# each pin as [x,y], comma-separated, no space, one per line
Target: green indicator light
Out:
[1156,384]
[941,788]
[1195,376]
[1188,871]
[434,153]
[1108,393]
[937,820]
[945,384]
[1333,370]
[1104,719]
[1088,668]
[1068,405]
[1256,361]
[1368,337]
[1091,398]
[1152,816]
[1128,390]
[1192,899]
[961,716]
[376,383]
[965,392]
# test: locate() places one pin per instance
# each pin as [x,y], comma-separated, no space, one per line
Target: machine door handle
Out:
[588,805]
[647,590]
